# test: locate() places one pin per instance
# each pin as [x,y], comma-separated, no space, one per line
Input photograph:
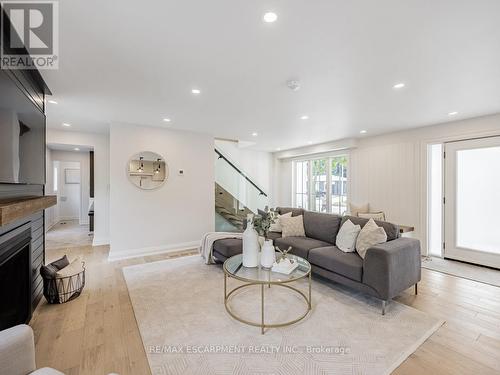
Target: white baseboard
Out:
[99,241]
[68,218]
[153,250]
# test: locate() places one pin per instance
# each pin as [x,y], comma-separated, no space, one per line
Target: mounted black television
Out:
[22,136]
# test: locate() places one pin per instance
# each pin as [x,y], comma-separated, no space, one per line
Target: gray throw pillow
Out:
[60,263]
[49,271]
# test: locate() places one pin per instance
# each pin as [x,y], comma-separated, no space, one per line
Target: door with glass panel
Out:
[302,184]
[338,191]
[472,201]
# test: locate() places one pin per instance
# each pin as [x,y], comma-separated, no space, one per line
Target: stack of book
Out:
[286,266]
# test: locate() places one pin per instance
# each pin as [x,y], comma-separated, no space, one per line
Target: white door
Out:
[472,201]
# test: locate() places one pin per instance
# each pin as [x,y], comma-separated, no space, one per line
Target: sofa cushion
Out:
[228,246]
[294,211]
[273,235]
[349,265]
[300,245]
[392,230]
[321,226]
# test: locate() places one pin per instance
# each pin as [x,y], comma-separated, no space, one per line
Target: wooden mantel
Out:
[16,208]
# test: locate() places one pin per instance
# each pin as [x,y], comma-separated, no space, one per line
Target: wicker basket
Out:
[64,289]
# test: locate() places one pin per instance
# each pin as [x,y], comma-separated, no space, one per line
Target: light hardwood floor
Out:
[97,333]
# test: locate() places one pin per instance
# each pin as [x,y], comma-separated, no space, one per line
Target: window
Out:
[321,184]
[301,184]
[55,179]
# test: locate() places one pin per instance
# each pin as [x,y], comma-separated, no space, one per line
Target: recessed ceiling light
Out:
[305,117]
[278,149]
[52,102]
[453,113]
[76,149]
[196,91]
[66,124]
[270,17]
[167,120]
[310,142]
[362,132]
[254,134]
[399,85]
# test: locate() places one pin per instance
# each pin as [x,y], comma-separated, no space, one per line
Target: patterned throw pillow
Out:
[370,235]
[276,226]
[346,238]
[379,216]
[292,226]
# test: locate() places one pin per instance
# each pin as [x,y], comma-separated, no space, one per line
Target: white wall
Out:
[82,158]
[100,144]
[68,195]
[51,213]
[390,171]
[172,217]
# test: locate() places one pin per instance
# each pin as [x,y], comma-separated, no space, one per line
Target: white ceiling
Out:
[136,62]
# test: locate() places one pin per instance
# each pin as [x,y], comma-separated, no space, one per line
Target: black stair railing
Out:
[221,156]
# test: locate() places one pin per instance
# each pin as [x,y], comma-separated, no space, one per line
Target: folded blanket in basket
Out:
[66,284]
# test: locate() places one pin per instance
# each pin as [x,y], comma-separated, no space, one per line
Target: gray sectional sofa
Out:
[387,270]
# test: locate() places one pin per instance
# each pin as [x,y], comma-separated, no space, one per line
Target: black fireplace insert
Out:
[15,277]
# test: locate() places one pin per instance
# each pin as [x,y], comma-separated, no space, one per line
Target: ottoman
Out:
[226,248]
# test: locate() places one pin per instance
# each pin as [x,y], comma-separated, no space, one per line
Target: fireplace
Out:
[15,276]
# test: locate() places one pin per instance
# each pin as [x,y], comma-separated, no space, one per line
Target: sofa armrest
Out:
[17,350]
[393,266]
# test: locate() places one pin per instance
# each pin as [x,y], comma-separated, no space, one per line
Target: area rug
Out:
[185,328]
[480,274]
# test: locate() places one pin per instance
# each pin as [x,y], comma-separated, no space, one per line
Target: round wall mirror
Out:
[147,170]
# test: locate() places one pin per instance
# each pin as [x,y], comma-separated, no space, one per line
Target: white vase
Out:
[250,245]
[268,255]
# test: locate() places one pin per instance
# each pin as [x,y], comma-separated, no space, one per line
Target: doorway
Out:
[472,201]
[464,200]
[68,177]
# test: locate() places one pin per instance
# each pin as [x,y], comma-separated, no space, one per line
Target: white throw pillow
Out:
[354,210]
[292,226]
[276,226]
[370,235]
[346,238]
[379,216]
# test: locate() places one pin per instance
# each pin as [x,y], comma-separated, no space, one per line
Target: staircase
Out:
[229,207]
[236,195]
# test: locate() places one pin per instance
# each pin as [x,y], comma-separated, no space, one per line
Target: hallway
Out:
[67,234]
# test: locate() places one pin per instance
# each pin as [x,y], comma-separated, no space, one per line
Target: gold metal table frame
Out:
[281,283]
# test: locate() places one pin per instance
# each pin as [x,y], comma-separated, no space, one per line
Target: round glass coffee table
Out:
[233,268]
